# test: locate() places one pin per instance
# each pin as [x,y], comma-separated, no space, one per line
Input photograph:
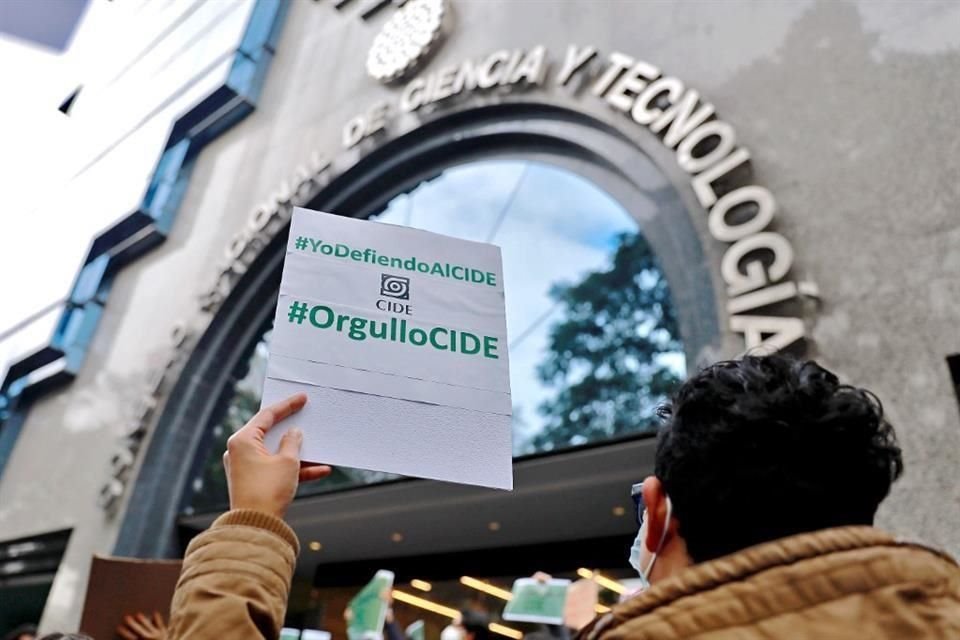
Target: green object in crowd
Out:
[368,609]
[537,601]
[415,631]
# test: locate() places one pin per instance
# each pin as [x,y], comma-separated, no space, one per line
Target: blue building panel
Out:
[150,224]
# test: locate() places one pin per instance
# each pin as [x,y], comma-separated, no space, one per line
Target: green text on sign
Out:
[368,255]
[396,330]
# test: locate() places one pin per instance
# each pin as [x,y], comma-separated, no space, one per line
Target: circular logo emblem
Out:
[406,39]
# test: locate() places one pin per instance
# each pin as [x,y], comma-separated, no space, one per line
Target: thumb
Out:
[290,444]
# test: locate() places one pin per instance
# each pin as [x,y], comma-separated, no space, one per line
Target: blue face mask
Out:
[635,559]
[638,545]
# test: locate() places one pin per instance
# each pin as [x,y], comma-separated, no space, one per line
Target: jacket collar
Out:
[741,565]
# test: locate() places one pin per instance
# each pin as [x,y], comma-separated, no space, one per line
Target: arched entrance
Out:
[532,137]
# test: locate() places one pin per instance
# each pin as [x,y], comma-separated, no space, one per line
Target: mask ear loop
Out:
[663,538]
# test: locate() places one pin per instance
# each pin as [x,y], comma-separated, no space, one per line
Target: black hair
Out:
[765,447]
[22,630]
[476,623]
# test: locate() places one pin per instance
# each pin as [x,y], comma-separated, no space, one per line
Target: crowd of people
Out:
[756,523]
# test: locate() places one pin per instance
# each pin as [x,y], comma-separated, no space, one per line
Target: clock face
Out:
[406,39]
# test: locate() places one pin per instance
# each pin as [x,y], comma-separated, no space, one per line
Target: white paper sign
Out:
[398,337]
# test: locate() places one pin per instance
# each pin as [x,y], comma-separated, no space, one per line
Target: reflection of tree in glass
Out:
[606,356]
[211,493]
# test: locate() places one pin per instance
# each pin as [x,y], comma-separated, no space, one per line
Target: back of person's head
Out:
[476,624]
[767,447]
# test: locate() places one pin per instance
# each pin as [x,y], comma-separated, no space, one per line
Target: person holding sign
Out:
[755,523]
[236,575]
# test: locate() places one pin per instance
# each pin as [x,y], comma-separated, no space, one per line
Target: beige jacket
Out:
[835,584]
[853,582]
[235,580]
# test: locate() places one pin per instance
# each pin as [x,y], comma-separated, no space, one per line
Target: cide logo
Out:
[394,286]
[398,288]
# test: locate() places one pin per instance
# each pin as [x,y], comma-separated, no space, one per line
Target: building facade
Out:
[680,182]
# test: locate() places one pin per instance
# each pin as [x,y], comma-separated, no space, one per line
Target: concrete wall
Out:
[849,110]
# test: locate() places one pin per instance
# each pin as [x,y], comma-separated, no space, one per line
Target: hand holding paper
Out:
[262,481]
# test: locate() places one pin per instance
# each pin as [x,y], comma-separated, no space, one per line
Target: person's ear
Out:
[655,501]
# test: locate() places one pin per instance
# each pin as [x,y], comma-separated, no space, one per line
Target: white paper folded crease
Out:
[398,338]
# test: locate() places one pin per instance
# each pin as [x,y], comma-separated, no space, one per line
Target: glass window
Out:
[593,339]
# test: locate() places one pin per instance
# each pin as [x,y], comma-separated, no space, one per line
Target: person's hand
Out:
[140,627]
[387,596]
[259,480]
